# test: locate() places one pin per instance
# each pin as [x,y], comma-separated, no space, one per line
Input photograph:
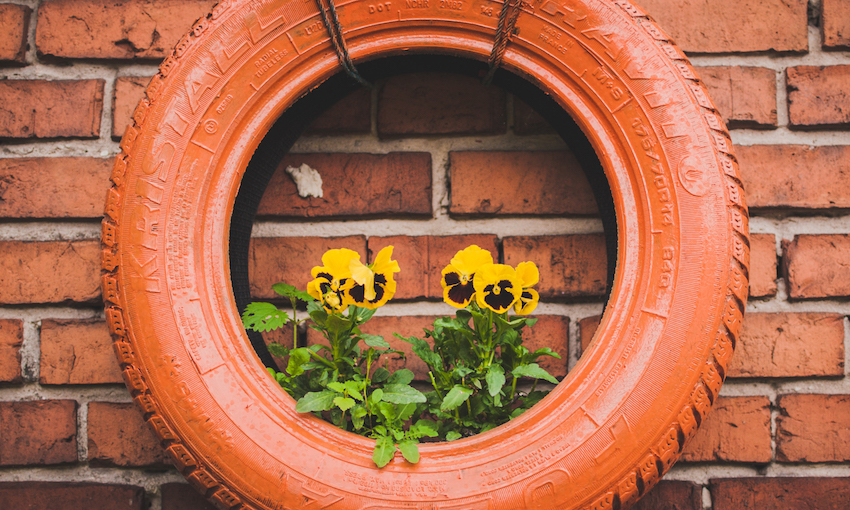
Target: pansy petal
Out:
[527,302]
[383,264]
[468,260]
[528,273]
[337,261]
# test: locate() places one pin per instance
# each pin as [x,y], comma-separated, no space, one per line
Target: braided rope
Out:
[504,32]
[335,30]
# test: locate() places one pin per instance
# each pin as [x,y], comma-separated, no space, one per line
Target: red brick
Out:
[71,496]
[11,339]
[736,430]
[53,187]
[75,351]
[795,176]
[780,493]
[745,96]
[290,259]
[50,109]
[42,432]
[49,272]
[818,97]
[439,104]
[550,331]
[587,329]
[181,496]
[352,114]
[813,428]
[762,265]
[716,26]
[529,122]
[517,182]
[14,30]
[118,436]
[122,29]
[790,345]
[129,90]
[571,266]
[398,183]
[423,258]
[836,24]
[817,266]
[668,495]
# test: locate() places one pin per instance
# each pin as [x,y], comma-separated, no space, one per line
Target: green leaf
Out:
[533,371]
[278,350]
[398,435]
[353,389]
[424,427]
[387,410]
[344,403]
[297,358]
[380,375]
[336,386]
[453,435]
[284,289]
[316,401]
[363,314]
[358,414]
[377,396]
[403,376]
[405,411]
[545,351]
[495,379]
[317,313]
[409,450]
[457,396]
[375,341]
[384,451]
[423,350]
[337,325]
[402,394]
[263,317]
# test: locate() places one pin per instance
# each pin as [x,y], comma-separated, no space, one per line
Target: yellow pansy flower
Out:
[331,279]
[528,275]
[497,287]
[373,285]
[458,276]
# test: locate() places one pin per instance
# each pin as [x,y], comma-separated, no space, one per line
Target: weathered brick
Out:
[439,104]
[75,351]
[817,96]
[736,430]
[290,259]
[118,436]
[129,90]
[422,259]
[50,109]
[14,30]
[41,432]
[759,493]
[669,495]
[587,328]
[53,187]
[816,266]
[550,331]
[71,496]
[398,183]
[813,428]
[121,29]
[790,345]
[571,266]
[519,183]
[762,265]
[352,114]
[716,26]
[795,176]
[11,339]
[49,272]
[836,24]
[181,496]
[529,122]
[745,96]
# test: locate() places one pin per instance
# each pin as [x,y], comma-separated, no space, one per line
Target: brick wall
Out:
[72,71]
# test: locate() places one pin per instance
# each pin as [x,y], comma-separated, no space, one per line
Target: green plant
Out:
[474,369]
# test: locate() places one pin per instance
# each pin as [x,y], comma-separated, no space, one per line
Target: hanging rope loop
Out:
[504,31]
[335,31]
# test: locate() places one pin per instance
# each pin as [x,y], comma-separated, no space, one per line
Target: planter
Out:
[603,437]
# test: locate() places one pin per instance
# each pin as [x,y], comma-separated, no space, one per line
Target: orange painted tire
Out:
[603,437]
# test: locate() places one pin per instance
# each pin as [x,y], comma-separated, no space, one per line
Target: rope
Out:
[335,30]
[504,32]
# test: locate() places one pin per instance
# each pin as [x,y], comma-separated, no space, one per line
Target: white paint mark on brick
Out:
[307,180]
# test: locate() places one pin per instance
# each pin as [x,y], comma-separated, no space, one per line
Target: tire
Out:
[603,437]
